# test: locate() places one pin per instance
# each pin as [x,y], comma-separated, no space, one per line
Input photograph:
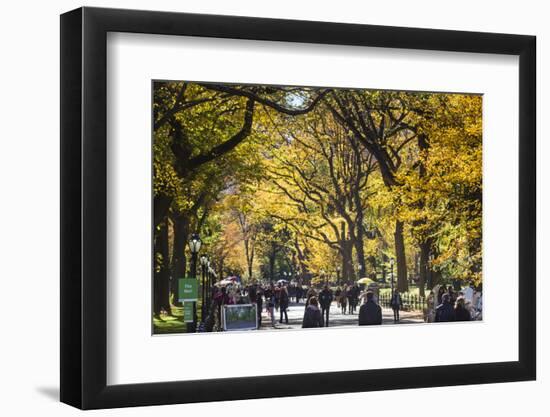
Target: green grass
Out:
[173,324]
[170,324]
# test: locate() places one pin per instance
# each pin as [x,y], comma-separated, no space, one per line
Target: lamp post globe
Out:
[195,243]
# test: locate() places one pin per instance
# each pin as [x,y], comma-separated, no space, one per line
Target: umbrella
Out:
[365,281]
[282,281]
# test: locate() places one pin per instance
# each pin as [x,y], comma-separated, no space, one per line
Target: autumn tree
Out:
[379,121]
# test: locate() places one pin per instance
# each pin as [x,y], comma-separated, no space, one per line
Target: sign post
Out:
[188,294]
[188,311]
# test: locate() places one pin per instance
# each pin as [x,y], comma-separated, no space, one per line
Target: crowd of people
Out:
[443,303]
[446,304]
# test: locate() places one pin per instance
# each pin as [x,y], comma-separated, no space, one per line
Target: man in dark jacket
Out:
[354,300]
[283,304]
[445,311]
[396,304]
[370,312]
[325,299]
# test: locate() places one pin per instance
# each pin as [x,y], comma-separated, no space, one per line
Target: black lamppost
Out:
[338,274]
[208,283]
[194,246]
[391,274]
[204,262]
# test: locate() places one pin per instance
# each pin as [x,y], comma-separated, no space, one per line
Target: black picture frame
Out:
[84,207]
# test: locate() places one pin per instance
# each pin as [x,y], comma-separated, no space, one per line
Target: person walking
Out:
[325,299]
[259,305]
[444,312]
[337,295]
[269,295]
[396,303]
[283,304]
[452,295]
[344,300]
[429,314]
[251,292]
[221,298]
[461,312]
[370,313]
[299,291]
[440,293]
[355,292]
[349,295]
[291,289]
[277,293]
[312,315]
[310,293]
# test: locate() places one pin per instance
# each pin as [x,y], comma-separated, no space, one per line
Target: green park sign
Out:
[188,289]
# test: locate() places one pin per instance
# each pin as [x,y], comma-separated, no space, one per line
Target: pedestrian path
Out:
[336,318]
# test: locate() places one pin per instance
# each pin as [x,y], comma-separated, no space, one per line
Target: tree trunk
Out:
[161,285]
[425,246]
[401,258]
[220,269]
[179,260]
[359,234]
[348,272]
[301,260]
[360,254]
[437,278]
[346,249]
[249,250]
[424,266]
[250,270]
[161,204]
[272,267]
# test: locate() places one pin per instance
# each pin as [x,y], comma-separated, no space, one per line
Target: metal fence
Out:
[411,302]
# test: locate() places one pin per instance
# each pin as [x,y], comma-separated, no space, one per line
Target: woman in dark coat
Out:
[461,312]
[440,293]
[312,315]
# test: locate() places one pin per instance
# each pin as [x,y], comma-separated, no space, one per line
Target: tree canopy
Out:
[316,183]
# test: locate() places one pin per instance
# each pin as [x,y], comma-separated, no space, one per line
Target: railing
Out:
[411,302]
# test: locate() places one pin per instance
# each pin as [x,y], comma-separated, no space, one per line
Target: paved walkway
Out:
[336,318]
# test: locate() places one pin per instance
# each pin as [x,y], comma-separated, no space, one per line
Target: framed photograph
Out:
[257,188]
